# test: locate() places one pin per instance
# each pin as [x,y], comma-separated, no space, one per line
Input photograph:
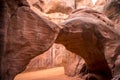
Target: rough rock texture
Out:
[51,58]
[2,29]
[71,62]
[83,3]
[86,32]
[27,35]
[59,17]
[24,30]
[116,77]
[38,7]
[99,5]
[112,10]
[62,6]
[57,55]
[94,4]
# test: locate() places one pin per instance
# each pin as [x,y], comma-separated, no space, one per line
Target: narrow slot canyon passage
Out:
[60,40]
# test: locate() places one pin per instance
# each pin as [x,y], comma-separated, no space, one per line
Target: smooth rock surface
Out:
[85,33]
[27,35]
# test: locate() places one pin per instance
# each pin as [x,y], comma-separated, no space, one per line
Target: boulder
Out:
[62,6]
[26,35]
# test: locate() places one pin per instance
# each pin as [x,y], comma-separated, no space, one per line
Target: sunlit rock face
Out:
[56,56]
[62,6]
[52,58]
[83,3]
[59,10]
[94,4]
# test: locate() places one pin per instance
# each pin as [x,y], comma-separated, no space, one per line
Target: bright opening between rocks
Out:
[94,1]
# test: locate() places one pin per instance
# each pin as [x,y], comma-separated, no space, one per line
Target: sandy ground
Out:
[47,74]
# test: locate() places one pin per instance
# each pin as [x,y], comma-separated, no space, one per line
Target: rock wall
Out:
[27,31]
[2,29]
[26,35]
[112,11]
[58,16]
[86,33]
[57,55]
[51,58]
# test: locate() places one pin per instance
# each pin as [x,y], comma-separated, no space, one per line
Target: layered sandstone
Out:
[112,11]
[27,31]
[26,36]
[89,33]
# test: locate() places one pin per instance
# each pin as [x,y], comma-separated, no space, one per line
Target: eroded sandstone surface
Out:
[26,36]
[29,28]
[89,32]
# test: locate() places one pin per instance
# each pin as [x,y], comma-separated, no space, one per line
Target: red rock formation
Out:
[85,33]
[73,64]
[27,35]
[51,58]
[58,56]
[83,3]
[112,11]
[62,6]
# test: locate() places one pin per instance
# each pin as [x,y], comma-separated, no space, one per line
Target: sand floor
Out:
[47,74]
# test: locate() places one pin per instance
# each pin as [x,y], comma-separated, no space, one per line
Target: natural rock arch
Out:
[86,32]
[25,38]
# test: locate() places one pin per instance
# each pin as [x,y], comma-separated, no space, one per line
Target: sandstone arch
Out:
[25,37]
[86,33]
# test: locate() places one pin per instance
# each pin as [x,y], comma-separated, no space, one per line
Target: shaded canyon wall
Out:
[25,19]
